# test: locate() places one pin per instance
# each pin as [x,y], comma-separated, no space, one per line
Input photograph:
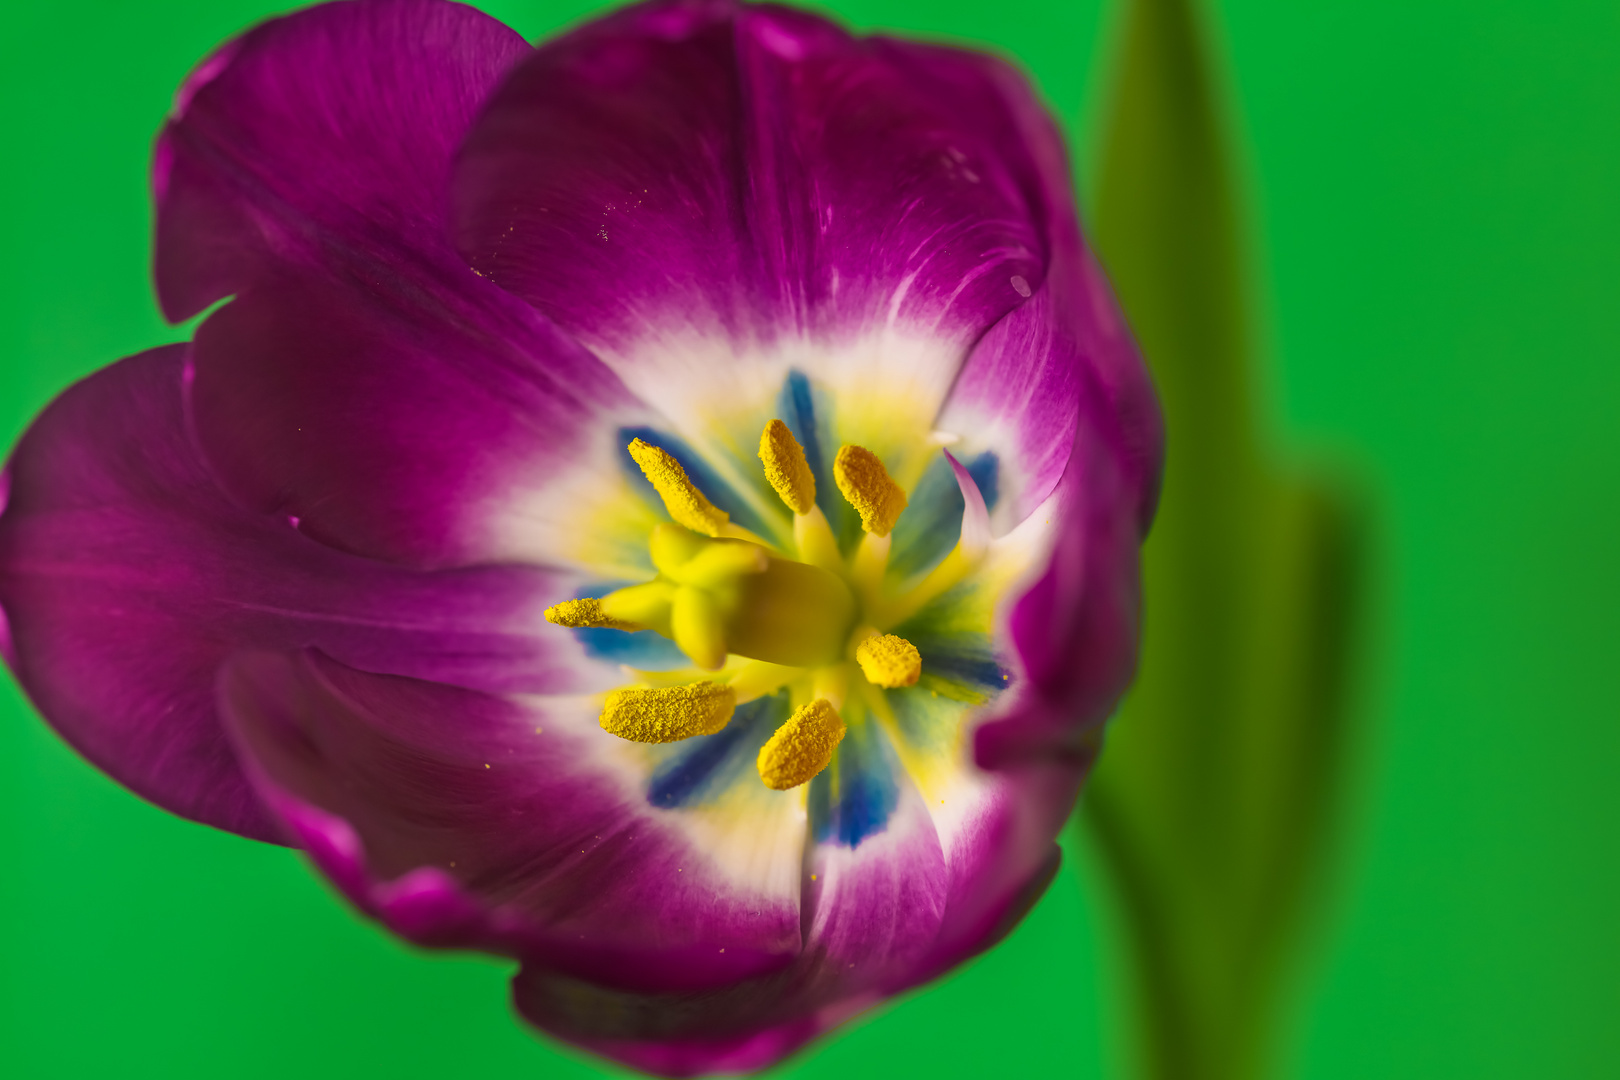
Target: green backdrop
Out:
[1434,187]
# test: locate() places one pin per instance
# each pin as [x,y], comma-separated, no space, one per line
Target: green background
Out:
[1433,189]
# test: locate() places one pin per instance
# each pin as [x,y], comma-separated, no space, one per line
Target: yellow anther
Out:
[868,487]
[685,503]
[660,714]
[802,747]
[889,661]
[786,468]
[586,611]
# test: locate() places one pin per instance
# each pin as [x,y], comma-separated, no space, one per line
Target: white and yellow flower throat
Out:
[755,618]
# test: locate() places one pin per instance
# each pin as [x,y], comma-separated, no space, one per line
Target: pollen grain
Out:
[889,661]
[786,468]
[869,488]
[802,747]
[585,612]
[661,714]
[685,503]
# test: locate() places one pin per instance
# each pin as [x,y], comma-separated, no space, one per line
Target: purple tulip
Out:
[662,506]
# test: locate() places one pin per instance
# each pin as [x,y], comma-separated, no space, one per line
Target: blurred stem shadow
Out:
[1210,807]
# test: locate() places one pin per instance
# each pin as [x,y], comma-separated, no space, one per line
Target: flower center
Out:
[754,618]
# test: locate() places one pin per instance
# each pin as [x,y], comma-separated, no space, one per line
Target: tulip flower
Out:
[662,506]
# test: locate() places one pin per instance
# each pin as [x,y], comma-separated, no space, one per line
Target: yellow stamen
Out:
[685,503]
[867,567]
[815,541]
[830,682]
[694,623]
[756,678]
[889,661]
[942,578]
[802,747]
[868,487]
[641,605]
[586,611]
[786,468]
[660,714]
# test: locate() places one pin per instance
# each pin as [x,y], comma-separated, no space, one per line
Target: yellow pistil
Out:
[889,661]
[869,488]
[695,625]
[786,468]
[643,605]
[661,714]
[802,747]
[586,611]
[685,503]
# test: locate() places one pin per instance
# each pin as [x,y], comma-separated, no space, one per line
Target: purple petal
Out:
[881,918]
[901,908]
[710,191]
[424,434]
[445,815]
[1018,396]
[1019,392]
[461,819]
[364,380]
[1058,391]
[719,1056]
[127,577]
[1000,857]
[1076,629]
[327,134]
[871,916]
[875,909]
